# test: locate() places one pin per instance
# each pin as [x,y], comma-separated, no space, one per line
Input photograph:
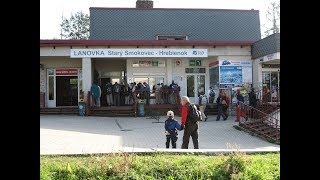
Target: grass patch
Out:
[161,166]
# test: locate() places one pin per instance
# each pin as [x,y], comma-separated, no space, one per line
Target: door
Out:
[51,88]
[67,90]
[195,87]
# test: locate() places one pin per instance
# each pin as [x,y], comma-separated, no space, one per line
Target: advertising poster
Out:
[230,75]
[235,72]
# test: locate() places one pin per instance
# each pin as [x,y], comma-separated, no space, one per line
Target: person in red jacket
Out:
[190,128]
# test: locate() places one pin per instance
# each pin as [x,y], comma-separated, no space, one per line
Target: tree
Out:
[273,19]
[77,27]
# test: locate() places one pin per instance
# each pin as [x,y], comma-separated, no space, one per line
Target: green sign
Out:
[192,63]
[155,63]
[198,62]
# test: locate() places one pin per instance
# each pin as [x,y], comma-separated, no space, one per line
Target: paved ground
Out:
[66,134]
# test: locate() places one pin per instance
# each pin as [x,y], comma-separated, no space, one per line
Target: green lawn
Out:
[162,166]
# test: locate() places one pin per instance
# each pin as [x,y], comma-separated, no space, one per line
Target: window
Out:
[172,37]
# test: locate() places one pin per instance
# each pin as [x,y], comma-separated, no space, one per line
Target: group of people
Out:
[118,94]
[191,128]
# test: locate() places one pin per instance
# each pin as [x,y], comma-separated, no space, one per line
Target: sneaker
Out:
[218,120]
[205,119]
[225,118]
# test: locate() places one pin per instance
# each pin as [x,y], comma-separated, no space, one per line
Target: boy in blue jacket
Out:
[172,126]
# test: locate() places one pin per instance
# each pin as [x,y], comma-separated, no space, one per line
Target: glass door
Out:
[51,88]
[195,87]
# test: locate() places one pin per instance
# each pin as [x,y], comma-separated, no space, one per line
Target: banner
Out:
[111,53]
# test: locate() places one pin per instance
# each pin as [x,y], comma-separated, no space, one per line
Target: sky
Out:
[51,11]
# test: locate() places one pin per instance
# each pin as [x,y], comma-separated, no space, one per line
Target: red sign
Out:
[66,72]
[213,63]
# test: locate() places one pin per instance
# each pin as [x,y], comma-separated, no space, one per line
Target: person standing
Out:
[109,94]
[225,106]
[252,98]
[171,126]
[147,92]
[211,95]
[158,93]
[202,105]
[221,100]
[240,98]
[116,94]
[96,94]
[190,128]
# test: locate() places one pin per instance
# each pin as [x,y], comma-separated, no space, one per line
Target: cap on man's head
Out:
[170,113]
[185,98]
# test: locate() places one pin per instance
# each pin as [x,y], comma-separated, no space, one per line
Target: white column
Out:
[86,76]
[257,74]
[169,71]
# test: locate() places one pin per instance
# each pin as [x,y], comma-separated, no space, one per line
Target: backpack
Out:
[212,93]
[109,89]
[194,114]
[203,100]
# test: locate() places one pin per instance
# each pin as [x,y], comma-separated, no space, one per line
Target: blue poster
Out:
[230,75]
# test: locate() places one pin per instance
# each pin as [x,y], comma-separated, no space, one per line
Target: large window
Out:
[271,81]
[150,80]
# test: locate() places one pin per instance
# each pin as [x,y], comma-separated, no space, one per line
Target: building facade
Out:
[150,45]
[266,66]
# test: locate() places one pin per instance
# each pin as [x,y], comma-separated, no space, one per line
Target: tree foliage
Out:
[77,27]
[273,18]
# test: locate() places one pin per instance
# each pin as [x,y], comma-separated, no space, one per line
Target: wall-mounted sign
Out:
[195,70]
[148,63]
[62,72]
[194,62]
[110,53]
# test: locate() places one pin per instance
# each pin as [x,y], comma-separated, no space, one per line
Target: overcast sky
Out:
[51,11]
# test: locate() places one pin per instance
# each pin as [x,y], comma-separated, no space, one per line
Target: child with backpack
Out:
[171,126]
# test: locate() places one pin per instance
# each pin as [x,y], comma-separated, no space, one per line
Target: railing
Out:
[168,96]
[247,113]
[42,99]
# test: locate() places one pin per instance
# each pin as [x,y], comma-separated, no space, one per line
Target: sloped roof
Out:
[196,24]
[266,46]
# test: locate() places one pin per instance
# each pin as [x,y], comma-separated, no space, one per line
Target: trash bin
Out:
[141,108]
[82,107]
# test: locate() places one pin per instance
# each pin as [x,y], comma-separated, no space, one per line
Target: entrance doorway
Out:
[195,87]
[271,81]
[67,90]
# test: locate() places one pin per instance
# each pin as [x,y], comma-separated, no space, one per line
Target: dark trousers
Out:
[173,141]
[221,113]
[116,100]
[191,129]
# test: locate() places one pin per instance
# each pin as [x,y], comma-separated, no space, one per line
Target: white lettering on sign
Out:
[66,71]
[110,53]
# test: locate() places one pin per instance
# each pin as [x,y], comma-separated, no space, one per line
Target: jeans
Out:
[221,113]
[96,101]
[109,99]
[174,139]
